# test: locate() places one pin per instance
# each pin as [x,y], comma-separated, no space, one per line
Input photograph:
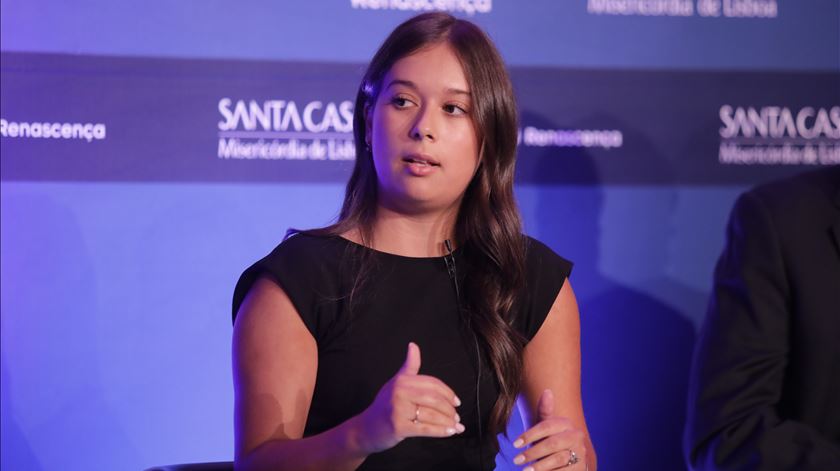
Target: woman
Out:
[427,255]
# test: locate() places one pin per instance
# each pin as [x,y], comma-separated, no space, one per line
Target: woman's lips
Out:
[421,158]
[420,165]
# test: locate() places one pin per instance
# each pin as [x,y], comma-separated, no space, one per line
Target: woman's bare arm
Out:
[275,360]
[552,361]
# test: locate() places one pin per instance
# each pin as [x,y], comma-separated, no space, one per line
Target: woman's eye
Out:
[400,102]
[454,109]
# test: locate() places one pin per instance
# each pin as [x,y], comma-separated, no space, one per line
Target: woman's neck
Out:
[411,235]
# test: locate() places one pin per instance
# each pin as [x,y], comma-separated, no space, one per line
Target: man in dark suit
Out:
[765,384]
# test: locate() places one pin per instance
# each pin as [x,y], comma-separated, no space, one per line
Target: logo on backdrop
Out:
[606,139]
[52,130]
[286,130]
[705,8]
[779,135]
[469,7]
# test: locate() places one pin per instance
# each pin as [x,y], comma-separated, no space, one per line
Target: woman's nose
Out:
[423,128]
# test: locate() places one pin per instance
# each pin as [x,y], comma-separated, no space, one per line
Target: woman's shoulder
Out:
[299,263]
[305,247]
[540,257]
[545,274]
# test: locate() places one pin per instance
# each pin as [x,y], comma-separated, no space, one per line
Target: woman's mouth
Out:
[421,160]
[420,165]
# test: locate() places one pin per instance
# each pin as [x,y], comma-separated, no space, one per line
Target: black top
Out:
[406,299]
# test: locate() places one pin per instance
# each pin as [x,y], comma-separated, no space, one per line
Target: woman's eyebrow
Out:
[407,83]
[412,85]
[458,91]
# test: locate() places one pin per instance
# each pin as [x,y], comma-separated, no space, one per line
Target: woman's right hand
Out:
[409,405]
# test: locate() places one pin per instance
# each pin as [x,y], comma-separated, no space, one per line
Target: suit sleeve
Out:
[733,421]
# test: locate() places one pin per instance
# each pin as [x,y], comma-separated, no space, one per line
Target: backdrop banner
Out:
[99,118]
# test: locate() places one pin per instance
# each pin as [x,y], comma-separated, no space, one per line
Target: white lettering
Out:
[683,8]
[224,109]
[606,139]
[708,8]
[835,118]
[804,114]
[775,122]
[641,7]
[332,119]
[750,8]
[45,130]
[260,115]
[822,125]
[729,128]
[307,116]
[292,116]
[281,115]
[785,124]
[276,107]
[292,149]
[346,110]
[469,7]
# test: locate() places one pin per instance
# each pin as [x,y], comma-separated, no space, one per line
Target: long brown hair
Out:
[488,227]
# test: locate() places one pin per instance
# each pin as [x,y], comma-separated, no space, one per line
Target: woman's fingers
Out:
[409,405]
[410,370]
[561,460]
[429,400]
[427,391]
[552,443]
[440,431]
[558,461]
[418,405]
[412,360]
[440,424]
[543,429]
[430,382]
[554,452]
[433,417]
[421,416]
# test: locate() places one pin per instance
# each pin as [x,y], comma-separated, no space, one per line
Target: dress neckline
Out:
[439,258]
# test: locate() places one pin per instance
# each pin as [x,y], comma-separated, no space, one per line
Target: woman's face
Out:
[420,130]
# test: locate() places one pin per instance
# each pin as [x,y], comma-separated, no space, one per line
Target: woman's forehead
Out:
[432,69]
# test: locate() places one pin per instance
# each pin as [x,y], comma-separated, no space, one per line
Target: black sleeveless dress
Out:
[362,339]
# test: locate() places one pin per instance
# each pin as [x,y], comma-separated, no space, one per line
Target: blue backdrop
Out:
[149,152]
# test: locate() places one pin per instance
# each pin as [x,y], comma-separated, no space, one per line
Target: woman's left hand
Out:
[555,442]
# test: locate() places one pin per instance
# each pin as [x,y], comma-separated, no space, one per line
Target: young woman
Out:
[401,336]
